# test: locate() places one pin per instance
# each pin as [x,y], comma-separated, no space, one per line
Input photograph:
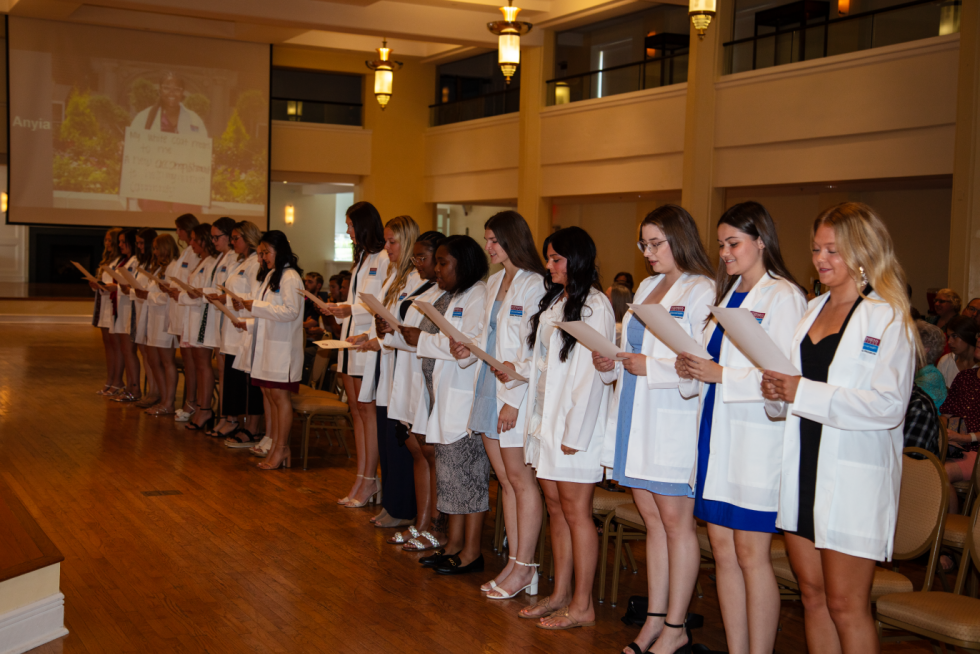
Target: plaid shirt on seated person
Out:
[922,422]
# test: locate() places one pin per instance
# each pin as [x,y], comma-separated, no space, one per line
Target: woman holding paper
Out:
[369,270]
[193,300]
[187,263]
[144,254]
[277,345]
[160,342]
[842,455]
[499,413]
[239,399]
[651,431]
[563,434]
[462,467]
[739,446]
[403,398]
[401,281]
[104,307]
[124,326]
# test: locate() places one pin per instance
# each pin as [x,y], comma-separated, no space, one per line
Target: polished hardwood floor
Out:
[238,560]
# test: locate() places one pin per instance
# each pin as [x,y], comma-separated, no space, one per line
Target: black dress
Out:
[815,360]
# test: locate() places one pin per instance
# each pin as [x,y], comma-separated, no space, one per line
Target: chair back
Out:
[971,493]
[921,508]
[320,364]
[943,441]
[971,550]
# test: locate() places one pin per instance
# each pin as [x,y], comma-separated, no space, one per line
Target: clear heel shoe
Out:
[531,588]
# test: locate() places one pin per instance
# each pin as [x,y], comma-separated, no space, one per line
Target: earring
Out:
[864,279]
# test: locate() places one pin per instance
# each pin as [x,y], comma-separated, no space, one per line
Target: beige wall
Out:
[395,184]
[312,148]
[472,161]
[312,232]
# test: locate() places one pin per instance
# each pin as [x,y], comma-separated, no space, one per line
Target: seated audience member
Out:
[947,306]
[922,422]
[624,278]
[620,297]
[962,411]
[961,337]
[312,330]
[335,295]
[928,377]
[972,310]
[915,312]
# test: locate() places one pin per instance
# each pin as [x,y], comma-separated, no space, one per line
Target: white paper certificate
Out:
[185,287]
[664,326]
[230,293]
[150,275]
[444,325]
[225,310]
[317,301]
[331,344]
[747,334]
[591,339]
[130,280]
[116,276]
[379,309]
[82,270]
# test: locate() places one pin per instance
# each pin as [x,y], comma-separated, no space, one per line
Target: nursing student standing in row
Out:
[842,459]
[651,431]
[739,455]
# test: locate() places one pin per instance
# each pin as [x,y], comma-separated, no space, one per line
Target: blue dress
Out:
[483,418]
[715,512]
[634,339]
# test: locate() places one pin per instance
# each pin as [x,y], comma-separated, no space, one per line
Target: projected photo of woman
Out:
[168,114]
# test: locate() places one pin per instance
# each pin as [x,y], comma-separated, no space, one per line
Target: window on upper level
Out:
[313,96]
[473,88]
[771,33]
[643,50]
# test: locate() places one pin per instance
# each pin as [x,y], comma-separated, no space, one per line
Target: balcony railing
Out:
[308,111]
[803,31]
[650,73]
[497,103]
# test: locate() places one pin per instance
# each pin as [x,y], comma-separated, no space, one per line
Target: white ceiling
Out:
[433,29]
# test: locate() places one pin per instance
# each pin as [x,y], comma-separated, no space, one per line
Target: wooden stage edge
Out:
[24,547]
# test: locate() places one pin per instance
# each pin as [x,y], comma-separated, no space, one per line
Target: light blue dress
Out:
[483,418]
[634,341]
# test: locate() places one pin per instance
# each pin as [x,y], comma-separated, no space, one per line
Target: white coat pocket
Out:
[756,454]
[460,403]
[668,448]
[276,357]
[860,503]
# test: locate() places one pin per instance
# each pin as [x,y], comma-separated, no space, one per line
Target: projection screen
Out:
[115,127]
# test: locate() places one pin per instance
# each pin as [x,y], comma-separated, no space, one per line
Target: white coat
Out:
[199,278]
[241,279]
[218,274]
[371,392]
[186,264]
[124,304]
[575,399]
[862,409]
[139,307]
[451,383]
[404,395]
[663,436]
[106,317]
[157,309]
[520,303]
[277,352]
[367,278]
[746,452]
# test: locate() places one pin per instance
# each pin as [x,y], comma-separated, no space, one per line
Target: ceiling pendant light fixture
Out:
[509,32]
[701,12]
[384,72]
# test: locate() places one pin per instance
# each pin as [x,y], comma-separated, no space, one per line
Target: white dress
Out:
[186,264]
[106,317]
[124,305]
[157,309]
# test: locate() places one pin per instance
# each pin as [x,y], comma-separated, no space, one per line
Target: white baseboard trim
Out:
[33,625]
[51,320]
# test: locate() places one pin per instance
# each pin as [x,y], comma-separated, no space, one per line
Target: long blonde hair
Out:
[406,232]
[865,246]
[252,235]
[166,243]
[111,253]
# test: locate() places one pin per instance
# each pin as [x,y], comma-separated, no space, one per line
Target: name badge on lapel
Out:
[183,265]
[516,311]
[871,345]
[402,296]
[758,316]
[223,269]
[458,312]
[677,312]
[373,272]
[241,272]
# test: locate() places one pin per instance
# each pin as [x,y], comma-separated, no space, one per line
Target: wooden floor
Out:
[241,560]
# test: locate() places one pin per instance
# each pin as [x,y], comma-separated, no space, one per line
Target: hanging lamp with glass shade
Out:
[509,31]
[384,72]
[701,13]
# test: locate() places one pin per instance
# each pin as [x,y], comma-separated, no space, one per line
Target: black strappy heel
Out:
[205,426]
[636,648]
[686,647]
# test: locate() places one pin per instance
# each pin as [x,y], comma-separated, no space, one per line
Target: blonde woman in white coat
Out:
[277,343]
[500,413]
[102,317]
[144,254]
[123,328]
[187,264]
[651,431]
[739,446]
[462,466]
[564,432]
[160,342]
[368,273]
[842,452]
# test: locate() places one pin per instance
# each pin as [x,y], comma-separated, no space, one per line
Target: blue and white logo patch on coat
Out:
[871,345]
[677,312]
[402,296]
[758,316]
[183,265]
[516,311]
[458,312]
[373,272]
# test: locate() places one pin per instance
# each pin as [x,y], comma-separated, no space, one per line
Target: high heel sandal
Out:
[205,426]
[112,391]
[351,504]
[126,396]
[686,647]
[346,498]
[284,462]
[399,538]
[531,588]
[490,585]
[183,416]
[636,648]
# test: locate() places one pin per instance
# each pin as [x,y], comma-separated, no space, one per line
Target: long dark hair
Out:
[471,261]
[682,234]
[129,235]
[284,256]
[202,233]
[368,230]
[752,218]
[148,234]
[578,248]
[514,236]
